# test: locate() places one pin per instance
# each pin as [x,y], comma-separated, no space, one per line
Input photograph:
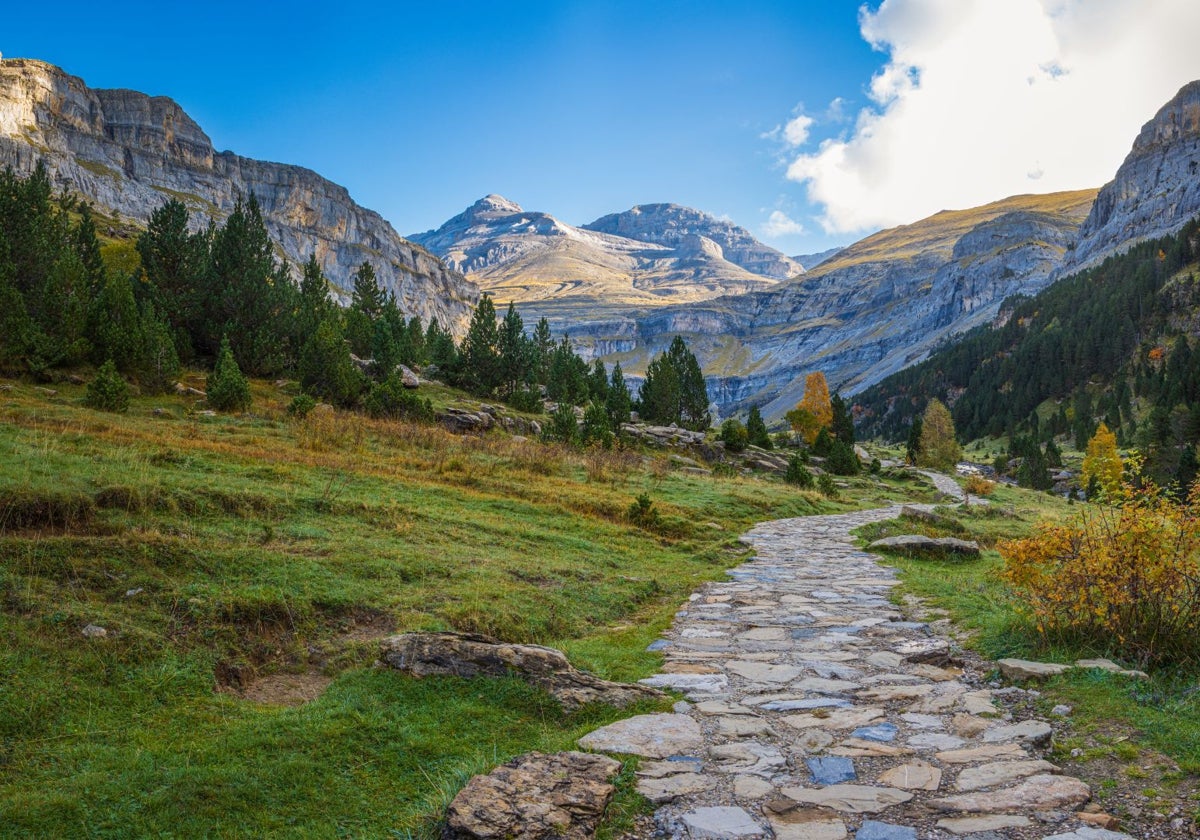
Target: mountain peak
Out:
[493,203]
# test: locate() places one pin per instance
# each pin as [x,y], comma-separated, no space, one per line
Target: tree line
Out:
[184,296]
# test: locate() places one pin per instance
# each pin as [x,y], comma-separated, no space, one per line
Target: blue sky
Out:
[586,108]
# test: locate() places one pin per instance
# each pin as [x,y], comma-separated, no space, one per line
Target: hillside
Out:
[1112,343]
[127,153]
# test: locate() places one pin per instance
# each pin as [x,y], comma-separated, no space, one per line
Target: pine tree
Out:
[566,380]
[940,449]
[367,302]
[480,354]
[543,348]
[598,382]
[733,435]
[157,363]
[227,388]
[659,396]
[115,323]
[325,368]
[756,430]
[912,450]
[618,404]
[693,392]
[175,262]
[313,304]
[841,423]
[108,391]
[516,353]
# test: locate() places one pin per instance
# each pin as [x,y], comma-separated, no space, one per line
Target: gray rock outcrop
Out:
[127,153]
[469,655]
[1156,190]
[537,797]
[921,544]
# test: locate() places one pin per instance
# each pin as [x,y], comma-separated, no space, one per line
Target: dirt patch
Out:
[284,689]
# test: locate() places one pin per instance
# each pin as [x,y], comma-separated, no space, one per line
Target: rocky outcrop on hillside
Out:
[1156,190]
[127,153]
[553,268]
[675,227]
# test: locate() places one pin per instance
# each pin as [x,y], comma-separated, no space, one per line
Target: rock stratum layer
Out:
[127,153]
[646,257]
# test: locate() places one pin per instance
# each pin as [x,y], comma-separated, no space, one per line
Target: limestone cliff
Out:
[1156,189]
[128,152]
[534,259]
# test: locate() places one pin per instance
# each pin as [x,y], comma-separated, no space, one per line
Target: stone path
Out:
[817,712]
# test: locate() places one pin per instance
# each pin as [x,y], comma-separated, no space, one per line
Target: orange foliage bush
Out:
[1124,577]
[977,485]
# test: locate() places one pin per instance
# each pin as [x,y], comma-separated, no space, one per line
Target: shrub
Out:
[977,485]
[227,389]
[798,474]
[734,435]
[1124,576]
[562,426]
[842,459]
[301,405]
[528,400]
[641,512]
[826,486]
[108,391]
[390,398]
[876,466]
[595,426]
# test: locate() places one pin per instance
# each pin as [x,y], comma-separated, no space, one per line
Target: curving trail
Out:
[817,712]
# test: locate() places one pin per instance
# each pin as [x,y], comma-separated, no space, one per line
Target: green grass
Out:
[1163,712]
[258,544]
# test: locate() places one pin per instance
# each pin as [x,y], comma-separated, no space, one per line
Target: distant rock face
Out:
[550,267]
[128,153]
[672,225]
[870,310]
[1156,190]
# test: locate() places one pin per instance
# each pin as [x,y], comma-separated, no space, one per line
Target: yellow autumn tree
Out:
[814,411]
[939,444]
[1102,462]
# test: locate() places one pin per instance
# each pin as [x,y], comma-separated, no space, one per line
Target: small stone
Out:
[935,741]
[851,799]
[872,830]
[932,672]
[968,726]
[681,707]
[976,825]
[751,787]
[830,770]
[882,732]
[837,719]
[978,703]
[94,631]
[1099,819]
[915,775]
[813,740]
[668,788]
[129,593]
[720,822]
[1024,669]
[919,721]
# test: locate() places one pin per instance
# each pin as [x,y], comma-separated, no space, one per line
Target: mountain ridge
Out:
[127,152]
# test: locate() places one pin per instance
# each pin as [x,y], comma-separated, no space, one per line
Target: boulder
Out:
[469,655]
[462,421]
[408,379]
[561,796]
[920,544]
[1023,669]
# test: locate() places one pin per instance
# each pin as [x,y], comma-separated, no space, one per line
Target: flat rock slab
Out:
[668,788]
[1024,669]
[976,825]
[1036,732]
[1000,773]
[851,799]
[650,736]
[807,824]
[872,830]
[988,753]
[836,719]
[762,671]
[830,770]
[1037,793]
[920,544]
[1088,833]
[720,822]
[535,796]
[914,775]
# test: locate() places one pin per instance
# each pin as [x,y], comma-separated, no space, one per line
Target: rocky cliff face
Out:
[549,266]
[674,227]
[128,153]
[875,307]
[1156,189]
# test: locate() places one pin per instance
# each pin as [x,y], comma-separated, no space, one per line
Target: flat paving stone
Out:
[720,822]
[912,775]
[977,825]
[830,770]
[872,830]
[883,732]
[651,736]
[850,799]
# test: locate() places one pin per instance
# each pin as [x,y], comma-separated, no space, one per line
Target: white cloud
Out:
[781,224]
[796,130]
[982,99]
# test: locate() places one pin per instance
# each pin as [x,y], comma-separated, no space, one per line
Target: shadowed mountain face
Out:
[127,153]
[646,257]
